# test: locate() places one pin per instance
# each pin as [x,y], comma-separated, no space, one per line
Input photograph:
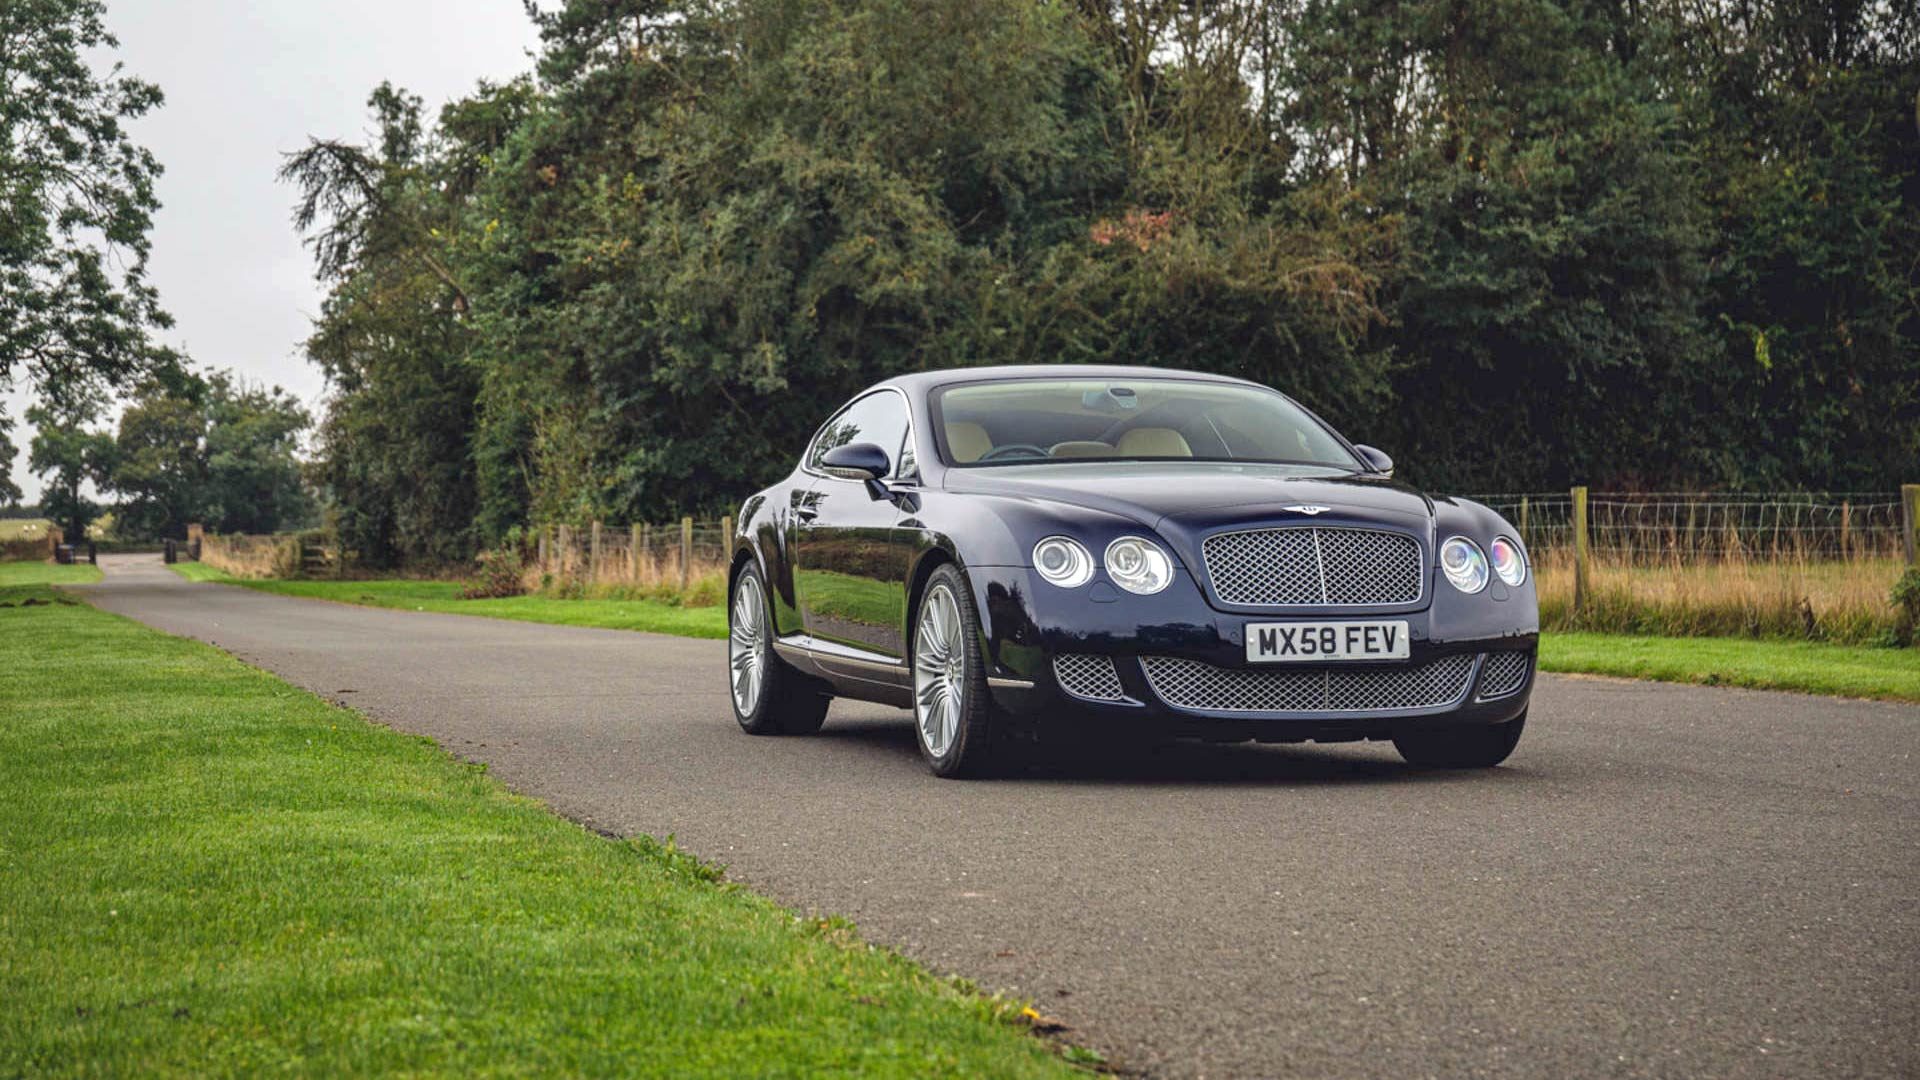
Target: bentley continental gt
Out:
[1006,549]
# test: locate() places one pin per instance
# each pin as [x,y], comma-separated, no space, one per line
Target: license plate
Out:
[1321,642]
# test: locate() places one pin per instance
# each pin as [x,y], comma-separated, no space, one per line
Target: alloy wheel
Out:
[939,671]
[747,644]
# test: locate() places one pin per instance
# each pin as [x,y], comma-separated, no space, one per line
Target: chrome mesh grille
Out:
[1191,684]
[1503,673]
[1088,676]
[1300,566]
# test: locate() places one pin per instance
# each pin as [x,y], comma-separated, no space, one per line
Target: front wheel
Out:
[769,698]
[1478,747]
[953,715]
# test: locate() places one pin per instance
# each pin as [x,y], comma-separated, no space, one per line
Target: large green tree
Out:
[1520,243]
[209,449]
[76,204]
[69,455]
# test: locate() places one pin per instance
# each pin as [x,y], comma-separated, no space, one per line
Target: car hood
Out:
[1190,497]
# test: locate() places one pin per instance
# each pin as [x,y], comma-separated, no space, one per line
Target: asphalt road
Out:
[1663,881]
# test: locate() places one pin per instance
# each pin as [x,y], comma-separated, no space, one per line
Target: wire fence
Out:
[633,555]
[1654,528]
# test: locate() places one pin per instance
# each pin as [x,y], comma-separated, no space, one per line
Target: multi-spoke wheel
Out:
[952,713]
[769,698]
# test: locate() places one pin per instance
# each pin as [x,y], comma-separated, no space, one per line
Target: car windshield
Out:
[1023,421]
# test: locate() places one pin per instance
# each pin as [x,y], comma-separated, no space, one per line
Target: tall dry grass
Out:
[1839,600]
[625,570]
[251,556]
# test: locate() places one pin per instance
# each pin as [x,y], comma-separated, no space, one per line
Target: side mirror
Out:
[856,461]
[1377,460]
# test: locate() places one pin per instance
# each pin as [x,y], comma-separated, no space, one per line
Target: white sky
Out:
[246,81]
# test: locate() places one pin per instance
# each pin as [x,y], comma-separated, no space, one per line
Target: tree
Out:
[208,449]
[76,204]
[10,493]
[67,457]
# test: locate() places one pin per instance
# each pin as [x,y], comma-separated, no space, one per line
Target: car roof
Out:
[922,381]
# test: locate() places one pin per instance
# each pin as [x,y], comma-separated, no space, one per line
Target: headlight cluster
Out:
[1139,566]
[1467,567]
[1063,561]
[1508,562]
[1464,564]
[1134,563]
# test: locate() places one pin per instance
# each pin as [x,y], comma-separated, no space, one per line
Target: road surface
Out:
[1663,881]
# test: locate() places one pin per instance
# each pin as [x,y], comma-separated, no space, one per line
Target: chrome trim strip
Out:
[998,682]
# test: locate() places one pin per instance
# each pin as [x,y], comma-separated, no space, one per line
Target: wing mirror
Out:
[1377,460]
[859,461]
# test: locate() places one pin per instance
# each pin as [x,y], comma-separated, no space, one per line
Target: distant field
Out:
[46,573]
[23,528]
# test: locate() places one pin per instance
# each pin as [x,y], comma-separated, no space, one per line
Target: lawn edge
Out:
[1027,1020]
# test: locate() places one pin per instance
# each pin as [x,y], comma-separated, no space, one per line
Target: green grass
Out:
[656,616]
[46,573]
[1810,667]
[204,871]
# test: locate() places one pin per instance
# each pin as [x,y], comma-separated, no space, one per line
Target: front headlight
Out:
[1508,562]
[1138,565]
[1464,564]
[1063,561]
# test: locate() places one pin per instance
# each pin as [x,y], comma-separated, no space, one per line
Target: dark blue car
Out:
[1005,550]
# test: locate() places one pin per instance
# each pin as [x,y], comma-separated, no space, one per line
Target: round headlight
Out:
[1138,566]
[1063,561]
[1508,562]
[1464,564]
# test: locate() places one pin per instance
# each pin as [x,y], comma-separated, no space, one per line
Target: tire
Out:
[954,719]
[1477,747]
[782,701]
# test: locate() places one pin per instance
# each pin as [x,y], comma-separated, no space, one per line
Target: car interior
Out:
[1073,420]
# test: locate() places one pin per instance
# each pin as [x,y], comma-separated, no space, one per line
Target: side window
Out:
[879,418]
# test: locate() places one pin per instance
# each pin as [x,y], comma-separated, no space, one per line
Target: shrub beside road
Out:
[208,871]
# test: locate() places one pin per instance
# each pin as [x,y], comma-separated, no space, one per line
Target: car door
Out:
[850,559]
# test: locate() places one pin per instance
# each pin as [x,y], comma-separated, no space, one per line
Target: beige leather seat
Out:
[1154,442]
[1081,448]
[968,440]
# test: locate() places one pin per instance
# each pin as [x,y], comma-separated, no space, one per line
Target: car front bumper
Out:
[1464,652]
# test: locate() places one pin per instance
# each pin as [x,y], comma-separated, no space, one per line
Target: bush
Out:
[502,573]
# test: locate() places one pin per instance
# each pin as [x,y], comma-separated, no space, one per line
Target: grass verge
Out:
[206,871]
[1806,666]
[657,616]
[46,573]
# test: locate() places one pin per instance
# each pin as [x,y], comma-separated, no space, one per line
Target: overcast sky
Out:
[246,81]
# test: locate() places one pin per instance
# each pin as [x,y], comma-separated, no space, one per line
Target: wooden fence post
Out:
[545,546]
[1910,521]
[563,555]
[593,553]
[1525,542]
[686,554]
[1579,548]
[636,540]
[726,536]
